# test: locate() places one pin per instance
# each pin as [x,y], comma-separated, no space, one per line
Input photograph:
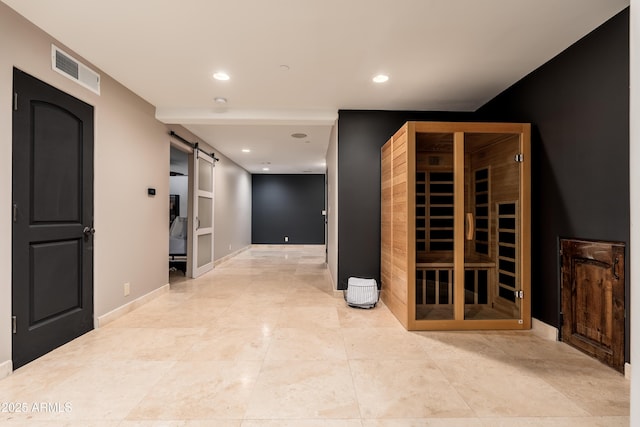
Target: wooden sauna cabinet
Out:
[455,225]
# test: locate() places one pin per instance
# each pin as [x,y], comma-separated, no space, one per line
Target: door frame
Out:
[460,132]
[175,143]
[75,320]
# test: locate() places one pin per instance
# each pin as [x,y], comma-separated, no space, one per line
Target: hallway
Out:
[262,341]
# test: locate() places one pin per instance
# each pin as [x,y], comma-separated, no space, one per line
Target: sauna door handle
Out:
[469,226]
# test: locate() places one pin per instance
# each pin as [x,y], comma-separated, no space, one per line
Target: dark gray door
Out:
[52,266]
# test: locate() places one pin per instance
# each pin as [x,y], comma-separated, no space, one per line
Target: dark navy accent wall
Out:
[361,134]
[579,105]
[287,205]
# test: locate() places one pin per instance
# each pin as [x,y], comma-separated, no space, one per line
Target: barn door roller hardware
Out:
[193,145]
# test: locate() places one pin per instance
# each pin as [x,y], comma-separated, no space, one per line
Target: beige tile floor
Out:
[262,341]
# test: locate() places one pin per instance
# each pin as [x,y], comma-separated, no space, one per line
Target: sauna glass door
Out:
[435,223]
[492,168]
[471,226]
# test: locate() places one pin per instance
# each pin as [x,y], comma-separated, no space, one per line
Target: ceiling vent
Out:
[71,68]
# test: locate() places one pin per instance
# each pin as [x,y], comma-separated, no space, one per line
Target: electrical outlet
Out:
[127,289]
[229,247]
[286,238]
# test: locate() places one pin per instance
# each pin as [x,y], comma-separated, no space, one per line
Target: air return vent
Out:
[69,67]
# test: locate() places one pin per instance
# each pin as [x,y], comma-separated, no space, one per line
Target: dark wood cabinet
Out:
[593,299]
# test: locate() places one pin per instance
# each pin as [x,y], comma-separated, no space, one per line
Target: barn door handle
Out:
[615,269]
[89,231]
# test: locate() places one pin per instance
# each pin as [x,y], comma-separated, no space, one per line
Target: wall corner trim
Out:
[6,368]
[334,282]
[544,330]
[129,307]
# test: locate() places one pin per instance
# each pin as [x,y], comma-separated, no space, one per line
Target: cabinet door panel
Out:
[593,299]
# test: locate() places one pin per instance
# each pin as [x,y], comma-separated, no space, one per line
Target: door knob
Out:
[89,231]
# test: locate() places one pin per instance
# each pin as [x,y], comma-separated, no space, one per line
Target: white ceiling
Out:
[452,55]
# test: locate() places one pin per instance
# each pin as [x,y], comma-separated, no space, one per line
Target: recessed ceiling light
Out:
[298,135]
[220,75]
[220,100]
[284,67]
[246,150]
[381,78]
[265,169]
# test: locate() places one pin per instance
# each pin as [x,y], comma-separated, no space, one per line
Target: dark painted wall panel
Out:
[579,106]
[361,134]
[287,205]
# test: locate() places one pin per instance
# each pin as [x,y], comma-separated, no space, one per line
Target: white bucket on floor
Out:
[362,293]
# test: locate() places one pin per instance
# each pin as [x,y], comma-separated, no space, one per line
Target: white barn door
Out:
[202,225]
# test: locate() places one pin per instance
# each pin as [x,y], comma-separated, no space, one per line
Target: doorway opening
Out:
[178,213]
[190,212]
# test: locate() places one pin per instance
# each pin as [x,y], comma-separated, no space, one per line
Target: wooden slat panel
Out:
[400,226]
[423,158]
[386,217]
[395,205]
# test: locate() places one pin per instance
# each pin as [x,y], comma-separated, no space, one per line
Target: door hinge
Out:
[519,158]
[15,101]
[14,324]
[519,294]
[15,212]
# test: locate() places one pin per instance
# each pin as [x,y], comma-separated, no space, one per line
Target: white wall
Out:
[332,205]
[232,208]
[634,173]
[132,228]
[131,155]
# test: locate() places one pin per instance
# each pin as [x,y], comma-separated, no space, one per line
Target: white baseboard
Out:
[129,307]
[627,371]
[292,246]
[228,257]
[6,368]
[544,330]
